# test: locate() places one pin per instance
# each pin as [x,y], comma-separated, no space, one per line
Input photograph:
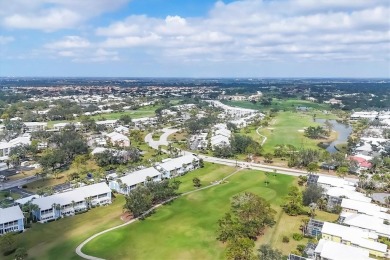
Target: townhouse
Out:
[366,222]
[360,207]
[335,196]
[354,237]
[178,166]
[330,182]
[61,126]
[329,250]
[129,182]
[107,123]
[11,220]
[6,147]
[70,202]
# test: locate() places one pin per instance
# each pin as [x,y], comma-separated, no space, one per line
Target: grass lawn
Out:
[282,104]
[62,177]
[187,227]
[58,239]
[287,128]
[209,173]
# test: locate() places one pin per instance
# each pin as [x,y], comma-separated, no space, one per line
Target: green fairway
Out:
[287,128]
[146,111]
[281,104]
[58,239]
[210,173]
[186,229]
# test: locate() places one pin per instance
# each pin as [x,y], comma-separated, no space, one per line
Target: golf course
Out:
[186,228]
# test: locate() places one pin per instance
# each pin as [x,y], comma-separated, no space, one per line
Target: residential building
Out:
[365,222]
[6,147]
[122,130]
[60,126]
[354,206]
[11,220]
[330,182]
[108,123]
[70,202]
[127,183]
[34,126]
[335,196]
[178,166]
[355,237]
[118,139]
[329,250]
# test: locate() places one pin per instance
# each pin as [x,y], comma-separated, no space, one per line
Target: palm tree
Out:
[321,203]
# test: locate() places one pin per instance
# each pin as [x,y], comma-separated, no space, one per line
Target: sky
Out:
[195,38]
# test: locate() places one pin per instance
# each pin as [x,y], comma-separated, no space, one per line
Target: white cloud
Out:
[69,42]
[262,30]
[6,39]
[52,15]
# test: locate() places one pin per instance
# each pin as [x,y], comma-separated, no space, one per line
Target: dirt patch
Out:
[126,217]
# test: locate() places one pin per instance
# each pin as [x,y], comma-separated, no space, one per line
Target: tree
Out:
[21,253]
[293,205]
[268,158]
[240,249]
[196,182]
[139,200]
[8,243]
[265,252]
[328,126]
[312,194]
[249,216]
[125,119]
[342,171]
[322,203]
[312,167]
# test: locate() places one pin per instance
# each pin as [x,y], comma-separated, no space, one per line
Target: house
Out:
[122,130]
[70,202]
[335,196]
[131,180]
[365,222]
[178,166]
[11,220]
[330,182]
[118,139]
[34,126]
[360,207]
[219,140]
[6,147]
[354,237]
[107,123]
[60,126]
[329,250]
[362,162]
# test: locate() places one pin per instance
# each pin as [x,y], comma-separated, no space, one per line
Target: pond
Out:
[343,132]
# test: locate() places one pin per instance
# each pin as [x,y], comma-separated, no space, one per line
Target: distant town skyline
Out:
[183,38]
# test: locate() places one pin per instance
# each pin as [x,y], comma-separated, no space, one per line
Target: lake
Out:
[343,132]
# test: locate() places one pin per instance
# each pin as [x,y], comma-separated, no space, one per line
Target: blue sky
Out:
[197,38]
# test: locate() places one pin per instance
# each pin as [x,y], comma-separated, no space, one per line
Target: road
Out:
[264,137]
[163,138]
[20,182]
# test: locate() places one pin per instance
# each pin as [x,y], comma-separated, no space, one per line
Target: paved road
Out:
[163,138]
[10,184]
[264,137]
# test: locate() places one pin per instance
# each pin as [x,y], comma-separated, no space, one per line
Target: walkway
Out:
[163,138]
[89,257]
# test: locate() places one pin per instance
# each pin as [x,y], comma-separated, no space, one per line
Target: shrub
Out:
[301,248]
[297,237]
[24,186]
[285,239]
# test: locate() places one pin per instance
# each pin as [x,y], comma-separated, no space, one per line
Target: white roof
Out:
[139,176]
[177,163]
[367,222]
[337,251]
[76,195]
[114,136]
[366,208]
[98,150]
[23,201]
[111,121]
[335,182]
[356,236]
[10,214]
[35,123]
[353,195]
[224,132]
[219,139]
